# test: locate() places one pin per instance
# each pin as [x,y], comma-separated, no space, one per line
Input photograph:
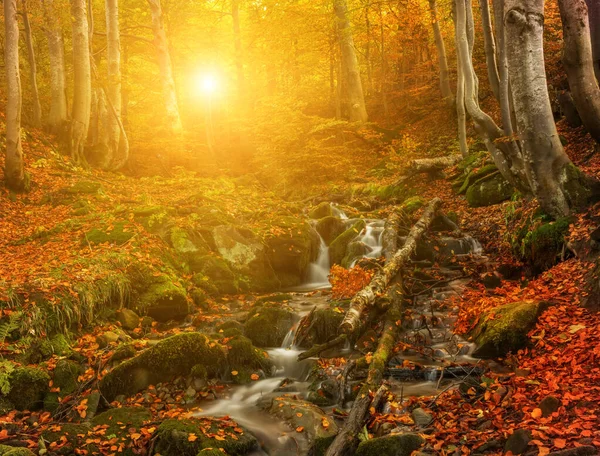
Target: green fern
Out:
[6,368]
[10,325]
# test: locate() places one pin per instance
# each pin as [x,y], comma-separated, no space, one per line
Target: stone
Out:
[268,326]
[43,349]
[504,329]
[28,386]
[421,417]
[114,234]
[6,450]
[391,445]
[128,318]
[163,300]
[339,246]
[170,358]
[107,338]
[354,251]
[330,227]
[549,405]
[65,376]
[518,442]
[320,211]
[489,190]
[324,327]
[217,276]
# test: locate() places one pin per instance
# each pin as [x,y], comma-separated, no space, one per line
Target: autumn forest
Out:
[294,227]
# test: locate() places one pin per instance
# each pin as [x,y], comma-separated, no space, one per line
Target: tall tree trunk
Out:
[14,170]
[117,140]
[461,113]
[57,116]
[441,51]
[577,58]
[553,179]
[166,69]
[504,87]
[237,42]
[37,107]
[490,48]
[384,70]
[594,19]
[355,95]
[82,90]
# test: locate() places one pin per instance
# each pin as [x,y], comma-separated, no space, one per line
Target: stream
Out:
[427,330]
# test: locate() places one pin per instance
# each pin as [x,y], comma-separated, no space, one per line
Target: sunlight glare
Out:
[207,83]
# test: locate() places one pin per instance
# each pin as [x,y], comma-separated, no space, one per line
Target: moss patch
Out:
[163,300]
[489,190]
[120,420]
[28,386]
[339,246]
[116,234]
[394,444]
[268,326]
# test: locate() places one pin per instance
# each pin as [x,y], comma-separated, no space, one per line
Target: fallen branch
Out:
[365,297]
[317,349]
[428,165]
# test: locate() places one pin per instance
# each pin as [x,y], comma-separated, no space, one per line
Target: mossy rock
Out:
[330,227]
[83,187]
[128,318]
[391,445]
[504,329]
[244,357]
[43,349]
[210,452]
[163,300]
[354,251]
[6,450]
[278,297]
[52,402]
[117,234]
[475,175]
[170,358]
[268,326]
[489,190]
[324,327]
[75,435]
[320,211]
[220,275]
[181,242]
[411,205]
[28,386]
[542,245]
[339,246]
[172,437]
[5,406]
[120,420]
[123,351]
[65,376]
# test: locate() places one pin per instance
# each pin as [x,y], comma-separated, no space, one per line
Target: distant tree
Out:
[350,67]
[165,66]
[57,115]
[37,107]
[490,47]
[441,51]
[82,89]
[14,171]
[594,19]
[579,63]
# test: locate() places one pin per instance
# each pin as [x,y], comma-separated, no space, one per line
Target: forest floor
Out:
[48,253]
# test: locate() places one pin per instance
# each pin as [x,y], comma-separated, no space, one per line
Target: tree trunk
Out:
[117,140]
[57,116]
[14,170]
[37,107]
[490,48]
[577,58]
[355,95]
[82,90]
[553,179]
[594,19]
[166,70]
[237,42]
[461,112]
[504,87]
[441,51]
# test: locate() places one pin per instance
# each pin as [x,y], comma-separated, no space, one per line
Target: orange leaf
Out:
[192,437]
[560,443]
[299,428]
[537,413]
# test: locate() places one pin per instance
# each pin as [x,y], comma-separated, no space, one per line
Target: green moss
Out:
[65,376]
[246,359]
[575,185]
[267,326]
[120,420]
[489,190]
[44,349]
[28,386]
[163,300]
[412,204]
[504,329]
[52,402]
[324,209]
[210,452]
[325,326]
[115,235]
[84,187]
[172,438]
[170,358]
[75,435]
[278,297]
[217,270]
[330,227]
[199,371]
[355,250]
[6,450]
[393,444]
[474,176]
[337,249]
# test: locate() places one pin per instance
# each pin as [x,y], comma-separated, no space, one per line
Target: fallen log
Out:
[389,238]
[433,373]
[428,165]
[383,277]
[317,349]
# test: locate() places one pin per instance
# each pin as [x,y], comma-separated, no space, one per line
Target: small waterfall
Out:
[318,271]
[373,233]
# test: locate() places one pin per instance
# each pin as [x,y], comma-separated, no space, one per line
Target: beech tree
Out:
[594,21]
[82,89]
[579,63]
[350,68]
[165,66]
[441,51]
[14,171]
[37,107]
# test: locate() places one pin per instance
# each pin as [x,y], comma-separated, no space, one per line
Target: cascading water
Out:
[318,271]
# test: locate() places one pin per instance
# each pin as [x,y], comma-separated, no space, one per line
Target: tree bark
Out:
[165,66]
[37,107]
[554,180]
[382,278]
[57,116]
[441,51]
[504,87]
[354,88]
[14,170]
[579,64]
[594,19]
[117,140]
[82,90]
[490,48]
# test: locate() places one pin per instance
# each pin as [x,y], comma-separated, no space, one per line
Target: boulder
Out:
[65,376]
[339,246]
[72,437]
[268,326]
[163,300]
[176,437]
[320,211]
[330,227]
[28,386]
[170,358]
[391,445]
[518,442]
[116,233]
[220,277]
[318,428]
[489,190]
[246,254]
[128,318]
[504,329]
[120,420]
[354,251]
[421,417]
[43,349]
[324,327]
[245,359]
[6,450]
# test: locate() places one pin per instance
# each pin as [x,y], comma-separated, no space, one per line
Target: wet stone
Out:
[518,442]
